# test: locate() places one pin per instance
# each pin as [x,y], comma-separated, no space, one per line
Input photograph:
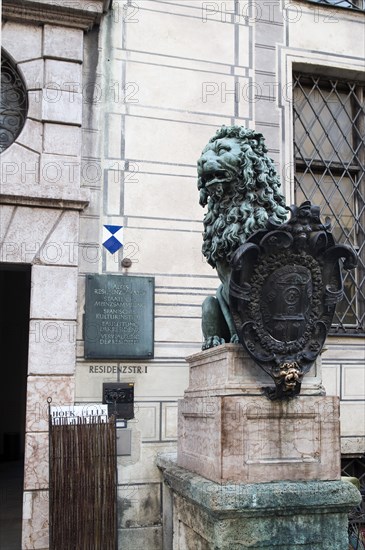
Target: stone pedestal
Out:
[250,472]
[253,440]
[205,515]
[228,431]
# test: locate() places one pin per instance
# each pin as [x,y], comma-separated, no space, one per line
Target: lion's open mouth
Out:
[214,177]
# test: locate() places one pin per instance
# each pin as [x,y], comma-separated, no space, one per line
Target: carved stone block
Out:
[288,515]
[228,369]
[228,431]
[253,440]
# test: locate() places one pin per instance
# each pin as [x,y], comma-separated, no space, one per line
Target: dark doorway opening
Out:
[14,336]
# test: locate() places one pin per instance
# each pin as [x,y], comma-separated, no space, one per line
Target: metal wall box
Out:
[119,397]
[124,442]
[119,317]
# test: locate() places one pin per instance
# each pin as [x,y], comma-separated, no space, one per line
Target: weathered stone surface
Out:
[227,368]
[33,73]
[19,166]
[63,43]
[227,430]
[62,106]
[149,420]
[51,347]
[155,186]
[60,139]
[36,461]
[353,383]
[140,538]
[39,388]
[349,412]
[35,520]
[22,45]
[82,14]
[45,196]
[327,39]
[31,135]
[61,247]
[63,75]
[172,140]
[54,292]
[352,445]
[141,466]
[224,369]
[88,386]
[169,421]
[288,515]
[19,244]
[35,104]
[170,92]
[254,440]
[139,505]
[60,171]
[167,517]
[191,38]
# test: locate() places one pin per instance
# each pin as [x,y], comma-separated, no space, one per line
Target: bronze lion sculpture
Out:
[239,184]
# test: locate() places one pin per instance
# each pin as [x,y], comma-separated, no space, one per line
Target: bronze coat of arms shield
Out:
[285,284]
[285,302]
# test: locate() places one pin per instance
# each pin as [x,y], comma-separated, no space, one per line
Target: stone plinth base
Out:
[252,440]
[229,369]
[203,515]
[226,433]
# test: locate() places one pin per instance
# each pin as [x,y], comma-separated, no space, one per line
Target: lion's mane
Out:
[247,205]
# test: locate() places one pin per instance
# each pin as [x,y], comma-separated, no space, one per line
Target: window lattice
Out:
[329,149]
[355,467]
[353,4]
[13,103]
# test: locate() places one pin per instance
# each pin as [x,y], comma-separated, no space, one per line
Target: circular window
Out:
[13,103]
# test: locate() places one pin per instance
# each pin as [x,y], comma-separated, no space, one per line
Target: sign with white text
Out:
[76,414]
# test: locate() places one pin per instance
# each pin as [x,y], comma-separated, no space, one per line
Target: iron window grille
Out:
[329,151]
[355,467]
[352,4]
[13,103]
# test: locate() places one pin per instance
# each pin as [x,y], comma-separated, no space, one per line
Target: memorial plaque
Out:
[119,317]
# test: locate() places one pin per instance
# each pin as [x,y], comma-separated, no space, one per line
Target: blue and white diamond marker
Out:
[113,237]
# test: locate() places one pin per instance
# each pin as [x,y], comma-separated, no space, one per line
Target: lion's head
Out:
[239,183]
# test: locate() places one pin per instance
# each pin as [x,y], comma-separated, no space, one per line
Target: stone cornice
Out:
[66,198]
[80,14]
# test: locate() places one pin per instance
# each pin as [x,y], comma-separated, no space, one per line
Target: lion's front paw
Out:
[234,339]
[213,341]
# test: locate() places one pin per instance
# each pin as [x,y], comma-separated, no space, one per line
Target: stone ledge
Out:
[228,369]
[251,499]
[216,350]
[353,445]
[55,12]
[44,196]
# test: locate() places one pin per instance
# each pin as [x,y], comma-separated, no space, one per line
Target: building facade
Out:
[120,98]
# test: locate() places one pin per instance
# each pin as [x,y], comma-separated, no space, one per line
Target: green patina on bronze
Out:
[239,184]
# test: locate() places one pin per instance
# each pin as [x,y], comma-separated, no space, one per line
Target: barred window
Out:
[13,103]
[329,150]
[354,4]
